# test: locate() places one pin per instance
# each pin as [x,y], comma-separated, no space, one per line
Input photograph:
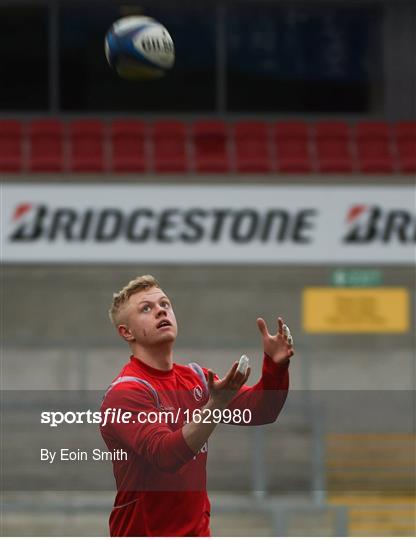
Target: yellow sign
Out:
[355,310]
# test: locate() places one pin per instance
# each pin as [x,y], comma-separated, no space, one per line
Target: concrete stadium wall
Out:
[57,334]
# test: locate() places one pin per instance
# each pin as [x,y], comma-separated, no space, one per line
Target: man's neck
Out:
[160,357]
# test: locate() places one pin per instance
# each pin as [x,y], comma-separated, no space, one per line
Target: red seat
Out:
[46,146]
[373,147]
[406,146]
[10,146]
[169,143]
[87,146]
[252,147]
[128,145]
[333,147]
[291,141]
[210,146]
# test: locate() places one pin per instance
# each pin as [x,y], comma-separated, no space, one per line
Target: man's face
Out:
[148,319]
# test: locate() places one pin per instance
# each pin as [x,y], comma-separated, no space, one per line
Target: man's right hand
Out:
[224,390]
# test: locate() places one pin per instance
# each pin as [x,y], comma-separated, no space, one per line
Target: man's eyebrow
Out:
[151,301]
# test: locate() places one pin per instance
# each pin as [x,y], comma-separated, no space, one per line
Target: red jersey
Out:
[161,486]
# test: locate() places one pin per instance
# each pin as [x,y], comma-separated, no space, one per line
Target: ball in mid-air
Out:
[139,47]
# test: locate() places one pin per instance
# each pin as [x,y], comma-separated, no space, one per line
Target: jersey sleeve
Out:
[266,398]
[158,443]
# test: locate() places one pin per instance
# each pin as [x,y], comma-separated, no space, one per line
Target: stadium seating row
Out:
[51,145]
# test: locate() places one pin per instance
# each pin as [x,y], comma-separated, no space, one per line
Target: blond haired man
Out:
[171,410]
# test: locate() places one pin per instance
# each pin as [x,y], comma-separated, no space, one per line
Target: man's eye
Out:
[146,309]
[165,304]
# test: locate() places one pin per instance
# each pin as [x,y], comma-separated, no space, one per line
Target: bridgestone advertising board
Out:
[177,224]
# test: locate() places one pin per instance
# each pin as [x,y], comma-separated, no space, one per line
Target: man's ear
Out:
[124,332]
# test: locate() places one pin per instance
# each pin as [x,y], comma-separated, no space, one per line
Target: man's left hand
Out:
[279,347]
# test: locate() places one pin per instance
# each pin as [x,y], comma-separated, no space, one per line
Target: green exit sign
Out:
[356,277]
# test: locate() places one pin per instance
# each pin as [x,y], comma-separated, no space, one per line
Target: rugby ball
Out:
[139,47]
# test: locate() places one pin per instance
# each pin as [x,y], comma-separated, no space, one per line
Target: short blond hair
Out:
[120,299]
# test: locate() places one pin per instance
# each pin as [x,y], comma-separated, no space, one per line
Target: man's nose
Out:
[161,311]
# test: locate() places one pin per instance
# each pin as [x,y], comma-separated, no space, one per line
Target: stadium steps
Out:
[86,514]
[374,476]
[378,515]
[231,453]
